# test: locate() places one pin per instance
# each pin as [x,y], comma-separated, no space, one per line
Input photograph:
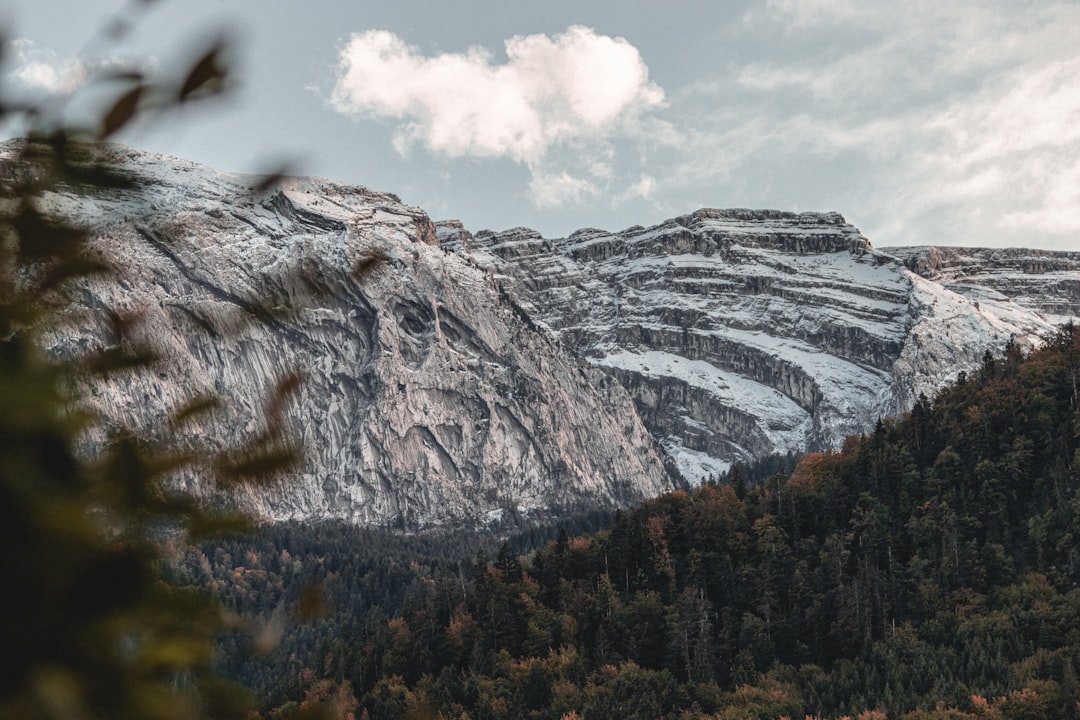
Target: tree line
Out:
[928,569]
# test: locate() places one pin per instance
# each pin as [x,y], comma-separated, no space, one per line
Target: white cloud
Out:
[1031,112]
[956,122]
[642,189]
[1000,166]
[1016,149]
[40,70]
[552,190]
[551,91]
[815,13]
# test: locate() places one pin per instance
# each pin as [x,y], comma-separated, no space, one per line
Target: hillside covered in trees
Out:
[927,570]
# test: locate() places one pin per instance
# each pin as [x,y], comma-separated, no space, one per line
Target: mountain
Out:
[1041,279]
[449,377]
[741,333]
[428,398]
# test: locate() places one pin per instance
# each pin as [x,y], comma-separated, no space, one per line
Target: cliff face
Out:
[428,398]
[742,333]
[1040,279]
[449,375]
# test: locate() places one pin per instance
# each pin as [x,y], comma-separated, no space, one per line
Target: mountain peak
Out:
[464,374]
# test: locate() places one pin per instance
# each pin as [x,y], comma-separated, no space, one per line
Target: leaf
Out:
[122,111]
[117,358]
[207,76]
[122,323]
[224,699]
[269,180]
[177,653]
[367,264]
[195,407]
[97,176]
[312,604]
[73,268]
[162,464]
[40,239]
[258,464]
[124,76]
[287,386]
[205,526]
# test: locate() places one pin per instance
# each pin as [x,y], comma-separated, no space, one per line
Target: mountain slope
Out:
[450,376]
[741,333]
[427,397]
[1040,279]
[930,564]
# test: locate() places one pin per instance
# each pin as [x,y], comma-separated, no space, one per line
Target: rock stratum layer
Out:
[1040,279]
[449,376]
[741,333]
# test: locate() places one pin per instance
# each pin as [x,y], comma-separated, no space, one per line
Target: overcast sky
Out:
[924,122]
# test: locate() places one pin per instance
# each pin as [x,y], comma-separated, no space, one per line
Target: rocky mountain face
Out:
[449,376]
[1040,279]
[742,333]
[428,398]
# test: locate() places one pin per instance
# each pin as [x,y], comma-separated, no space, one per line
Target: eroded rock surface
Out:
[1041,279]
[741,333]
[428,398]
[450,375]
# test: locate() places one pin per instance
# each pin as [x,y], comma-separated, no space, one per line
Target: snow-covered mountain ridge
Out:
[1042,279]
[462,374]
[741,333]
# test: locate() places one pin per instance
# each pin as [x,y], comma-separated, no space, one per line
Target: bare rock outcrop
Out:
[428,397]
[452,375]
[742,333]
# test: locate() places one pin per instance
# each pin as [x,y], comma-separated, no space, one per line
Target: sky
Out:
[923,123]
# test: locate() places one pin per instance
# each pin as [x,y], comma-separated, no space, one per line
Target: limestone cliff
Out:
[448,376]
[742,333]
[428,398]
[1041,279]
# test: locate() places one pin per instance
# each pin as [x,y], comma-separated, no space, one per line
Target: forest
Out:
[928,569]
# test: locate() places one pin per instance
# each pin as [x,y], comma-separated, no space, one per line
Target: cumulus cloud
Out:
[39,70]
[554,189]
[550,91]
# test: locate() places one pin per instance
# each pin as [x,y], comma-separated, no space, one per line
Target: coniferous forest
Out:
[929,569]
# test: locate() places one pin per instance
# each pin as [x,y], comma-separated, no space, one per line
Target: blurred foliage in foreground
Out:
[88,628]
